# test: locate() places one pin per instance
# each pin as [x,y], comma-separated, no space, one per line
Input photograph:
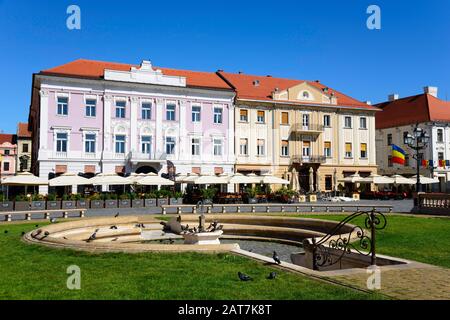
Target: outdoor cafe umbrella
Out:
[377,179]
[109,179]
[211,179]
[190,178]
[24,179]
[354,178]
[68,179]
[239,178]
[311,179]
[398,179]
[152,179]
[269,179]
[425,180]
[295,184]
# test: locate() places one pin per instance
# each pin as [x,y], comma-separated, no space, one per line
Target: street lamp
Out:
[417,141]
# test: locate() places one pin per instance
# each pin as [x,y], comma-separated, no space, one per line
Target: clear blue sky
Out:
[325,40]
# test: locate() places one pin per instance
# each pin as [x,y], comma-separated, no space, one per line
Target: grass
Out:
[36,272]
[424,239]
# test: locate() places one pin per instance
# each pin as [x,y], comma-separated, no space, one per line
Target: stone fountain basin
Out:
[202,237]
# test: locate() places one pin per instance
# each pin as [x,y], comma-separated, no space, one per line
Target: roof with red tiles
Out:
[22,130]
[95,70]
[411,110]
[4,137]
[244,85]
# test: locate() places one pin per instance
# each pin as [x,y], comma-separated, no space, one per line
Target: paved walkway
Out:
[423,283]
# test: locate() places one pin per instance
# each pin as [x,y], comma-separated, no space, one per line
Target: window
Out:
[218,115]
[89,144]
[7,152]
[217,144]
[348,150]
[260,147]
[63,106]
[285,118]
[195,146]
[284,148]
[305,94]
[23,164]
[305,120]
[440,135]
[260,117]
[146,144]
[170,112]
[25,147]
[120,109]
[146,110]
[61,142]
[405,134]
[327,149]
[5,166]
[120,144]
[390,164]
[243,115]
[440,156]
[91,106]
[363,150]
[306,148]
[196,114]
[389,139]
[327,120]
[170,145]
[347,122]
[243,147]
[363,123]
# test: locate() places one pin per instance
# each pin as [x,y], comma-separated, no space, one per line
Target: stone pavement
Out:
[422,283]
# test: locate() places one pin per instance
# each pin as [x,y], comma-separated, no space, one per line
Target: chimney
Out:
[393,97]
[432,91]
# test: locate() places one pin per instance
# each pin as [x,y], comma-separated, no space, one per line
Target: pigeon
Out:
[36,225]
[92,237]
[113,227]
[117,214]
[6,231]
[52,220]
[22,233]
[244,277]
[115,239]
[172,241]
[46,233]
[65,238]
[276,258]
[139,225]
[272,275]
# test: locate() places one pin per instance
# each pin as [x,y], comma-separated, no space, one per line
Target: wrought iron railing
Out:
[332,247]
[308,159]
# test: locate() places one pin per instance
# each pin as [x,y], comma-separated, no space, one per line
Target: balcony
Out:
[309,129]
[308,159]
[139,157]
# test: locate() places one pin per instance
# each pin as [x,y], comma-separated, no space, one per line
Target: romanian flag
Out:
[398,155]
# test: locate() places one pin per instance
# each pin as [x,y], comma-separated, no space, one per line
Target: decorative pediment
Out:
[304,92]
[145,74]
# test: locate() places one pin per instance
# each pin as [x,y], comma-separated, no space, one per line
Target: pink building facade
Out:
[89,116]
[8,153]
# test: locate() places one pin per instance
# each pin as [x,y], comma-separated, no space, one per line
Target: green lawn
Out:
[423,239]
[36,272]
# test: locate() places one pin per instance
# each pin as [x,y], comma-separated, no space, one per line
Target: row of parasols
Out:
[150,179]
[395,179]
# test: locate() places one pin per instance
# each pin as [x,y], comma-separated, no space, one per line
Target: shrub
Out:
[51,197]
[252,192]
[208,193]
[21,197]
[124,196]
[95,196]
[150,195]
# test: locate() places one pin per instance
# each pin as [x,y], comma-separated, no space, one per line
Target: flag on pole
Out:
[398,155]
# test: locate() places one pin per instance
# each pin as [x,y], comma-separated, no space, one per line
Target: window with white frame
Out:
[61,142]
[363,123]
[363,151]
[348,150]
[327,149]
[63,106]
[146,110]
[170,145]
[440,135]
[218,115]
[120,144]
[347,122]
[120,109]
[260,147]
[306,148]
[243,146]
[305,120]
[284,148]
[146,144]
[327,120]
[91,107]
[170,112]
[217,147]
[196,117]
[195,146]
[89,143]
[243,115]
[261,116]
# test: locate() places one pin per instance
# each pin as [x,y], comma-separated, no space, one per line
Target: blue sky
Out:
[326,40]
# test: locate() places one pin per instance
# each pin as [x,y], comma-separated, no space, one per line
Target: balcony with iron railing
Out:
[308,159]
[312,128]
[135,156]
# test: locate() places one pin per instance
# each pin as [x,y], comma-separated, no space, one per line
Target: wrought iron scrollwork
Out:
[332,247]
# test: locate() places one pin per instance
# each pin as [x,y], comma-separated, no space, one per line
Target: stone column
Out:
[159,143]
[133,123]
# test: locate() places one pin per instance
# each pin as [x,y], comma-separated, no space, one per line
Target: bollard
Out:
[238,209]
[28,216]
[47,215]
[327,209]
[224,210]
[81,213]
[297,209]
[179,211]
[312,209]
[8,217]
[65,214]
[208,209]
[194,210]
[253,209]
[267,209]
[164,210]
[282,209]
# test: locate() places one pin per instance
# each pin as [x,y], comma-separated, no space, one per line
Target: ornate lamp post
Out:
[417,141]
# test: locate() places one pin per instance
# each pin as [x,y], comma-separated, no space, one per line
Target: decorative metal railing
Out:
[332,247]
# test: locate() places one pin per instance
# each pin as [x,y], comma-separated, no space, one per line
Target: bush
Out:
[177,194]
[124,196]
[51,197]
[95,197]
[251,192]
[21,197]
[208,193]
[150,195]
[1,197]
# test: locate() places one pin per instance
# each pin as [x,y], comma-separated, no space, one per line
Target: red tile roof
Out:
[7,138]
[22,130]
[412,110]
[244,85]
[95,69]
